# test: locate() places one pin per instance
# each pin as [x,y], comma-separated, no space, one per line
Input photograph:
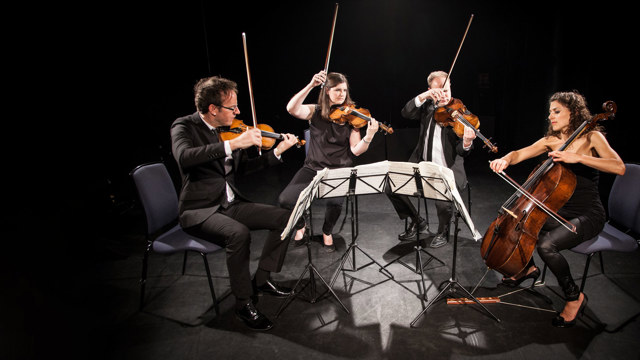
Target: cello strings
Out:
[541,205]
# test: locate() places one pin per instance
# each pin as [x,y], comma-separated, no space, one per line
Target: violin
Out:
[269,137]
[456,115]
[356,117]
[510,240]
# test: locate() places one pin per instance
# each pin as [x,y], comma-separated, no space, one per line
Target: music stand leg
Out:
[353,246]
[453,282]
[419,268]
[313,273]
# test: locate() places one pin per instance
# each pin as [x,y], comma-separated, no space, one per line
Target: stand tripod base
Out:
[351,251]
[450,284]
[313,272]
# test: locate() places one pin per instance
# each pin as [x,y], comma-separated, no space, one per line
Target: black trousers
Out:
[230,227]
[299,182]
[405,209]
[554,238]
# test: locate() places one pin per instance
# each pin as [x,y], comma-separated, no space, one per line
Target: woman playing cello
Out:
[585,156]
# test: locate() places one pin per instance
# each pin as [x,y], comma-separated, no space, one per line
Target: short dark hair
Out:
[212,90]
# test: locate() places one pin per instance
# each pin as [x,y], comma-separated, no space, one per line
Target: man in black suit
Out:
[211,206]
[438,144]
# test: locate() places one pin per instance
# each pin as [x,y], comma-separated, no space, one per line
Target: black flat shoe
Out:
[513,283]
[272,288]
[253,318]
[559,321]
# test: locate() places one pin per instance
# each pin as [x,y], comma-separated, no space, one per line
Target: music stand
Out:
[405,179]
[459,210]
[351,182]
[302,206]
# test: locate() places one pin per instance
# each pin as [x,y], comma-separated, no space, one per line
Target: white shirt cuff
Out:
[227,148]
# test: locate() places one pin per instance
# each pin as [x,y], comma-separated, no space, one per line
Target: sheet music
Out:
[437,181]
[446,179]
[304,201]
[401,178]
[370,179]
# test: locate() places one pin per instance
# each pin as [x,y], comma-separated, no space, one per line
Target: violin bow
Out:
[458,52]
[253,108]
[333,29]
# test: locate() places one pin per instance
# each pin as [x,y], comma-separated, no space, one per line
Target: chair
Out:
[623,223]
[159,200]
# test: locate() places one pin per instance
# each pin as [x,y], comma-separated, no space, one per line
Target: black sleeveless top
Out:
[328,144]
[585,203]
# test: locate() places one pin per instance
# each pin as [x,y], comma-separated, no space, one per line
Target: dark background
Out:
[116,75]
[514,57]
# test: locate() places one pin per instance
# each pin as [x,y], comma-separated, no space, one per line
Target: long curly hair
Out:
[578,110]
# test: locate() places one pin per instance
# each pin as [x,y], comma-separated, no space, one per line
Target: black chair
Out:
[159,200]
[621,231]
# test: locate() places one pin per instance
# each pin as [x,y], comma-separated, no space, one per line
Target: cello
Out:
[510,240]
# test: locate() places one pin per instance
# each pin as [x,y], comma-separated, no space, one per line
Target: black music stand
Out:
[452,283]
[416,180]
[336,187]
[302,206]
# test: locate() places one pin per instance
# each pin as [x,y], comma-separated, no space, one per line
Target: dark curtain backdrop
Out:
[516,54]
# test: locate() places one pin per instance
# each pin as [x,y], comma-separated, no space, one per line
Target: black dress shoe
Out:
[559,321]
[412,231]
[253,318]
[439,241]
[272,288]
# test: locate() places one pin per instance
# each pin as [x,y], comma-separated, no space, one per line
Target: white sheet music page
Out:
[430,170]
[304,201]
[402,178]
[371,177]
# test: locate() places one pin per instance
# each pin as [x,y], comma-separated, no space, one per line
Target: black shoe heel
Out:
[535,274]
[559,321]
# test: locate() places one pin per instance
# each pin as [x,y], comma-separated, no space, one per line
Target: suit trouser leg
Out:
[402,204]
[231,228]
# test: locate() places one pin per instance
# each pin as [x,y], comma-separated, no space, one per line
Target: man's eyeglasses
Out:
[232,108]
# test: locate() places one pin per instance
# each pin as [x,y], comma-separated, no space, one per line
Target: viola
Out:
[269,137]
[356,117]
[510,240]
[457,116]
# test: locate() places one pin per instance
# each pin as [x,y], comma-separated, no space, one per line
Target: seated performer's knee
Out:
[237,238]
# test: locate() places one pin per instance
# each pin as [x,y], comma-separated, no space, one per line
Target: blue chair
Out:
[623,223]
[159,200]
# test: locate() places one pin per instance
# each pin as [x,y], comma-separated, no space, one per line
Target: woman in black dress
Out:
[585,156]
[331,145]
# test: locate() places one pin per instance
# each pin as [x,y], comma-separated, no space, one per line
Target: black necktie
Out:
[428,144]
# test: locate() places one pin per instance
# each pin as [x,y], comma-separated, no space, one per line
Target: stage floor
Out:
[178,321]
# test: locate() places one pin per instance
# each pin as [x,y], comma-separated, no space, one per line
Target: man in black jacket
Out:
[437,144]
[210,205]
